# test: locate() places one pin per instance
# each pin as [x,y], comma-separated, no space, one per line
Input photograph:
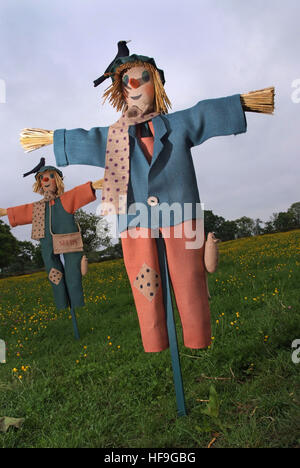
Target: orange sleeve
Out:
[78,197]
[20,215]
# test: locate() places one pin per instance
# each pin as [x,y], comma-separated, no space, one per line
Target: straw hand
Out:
[35,138]
[98,184]
[262,101]
[3,212]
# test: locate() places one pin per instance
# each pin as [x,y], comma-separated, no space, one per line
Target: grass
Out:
[104,391]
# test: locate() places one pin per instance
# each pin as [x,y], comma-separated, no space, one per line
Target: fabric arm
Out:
[213,117]
[20,215]
[80,146]
[78,197]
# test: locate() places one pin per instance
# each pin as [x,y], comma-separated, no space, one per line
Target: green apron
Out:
[68,292]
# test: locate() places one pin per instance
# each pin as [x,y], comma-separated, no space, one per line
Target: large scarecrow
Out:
[53,224]
[148,167]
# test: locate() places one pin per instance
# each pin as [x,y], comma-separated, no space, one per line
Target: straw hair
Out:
[37,188]
[262,101]
[115,92]
[35,138]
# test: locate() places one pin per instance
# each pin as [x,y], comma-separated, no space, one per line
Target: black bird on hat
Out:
[123,51]
[36,169]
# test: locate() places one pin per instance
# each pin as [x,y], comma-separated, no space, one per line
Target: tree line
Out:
[247,227]
[19,257]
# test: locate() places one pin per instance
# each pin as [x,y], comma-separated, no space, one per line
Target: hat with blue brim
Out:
[132,59]
[123,56]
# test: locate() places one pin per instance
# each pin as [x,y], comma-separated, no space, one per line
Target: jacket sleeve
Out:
[78,197]
[80,146]
[20,215]
[211,118]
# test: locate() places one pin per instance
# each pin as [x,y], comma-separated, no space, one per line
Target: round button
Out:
[152,201]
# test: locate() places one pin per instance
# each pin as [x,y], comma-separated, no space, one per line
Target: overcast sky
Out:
[51,51]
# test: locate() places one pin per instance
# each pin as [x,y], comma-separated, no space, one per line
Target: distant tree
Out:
[295,211]
[212,222]
[269,227]
[117,250]
[113,251]
[245,227]
[8,245]
[25,251]
[37,258]
[258,230]
[94,230]
[227,231]
[24,255]
[284,221]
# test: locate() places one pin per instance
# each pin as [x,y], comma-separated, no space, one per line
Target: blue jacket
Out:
[170,178]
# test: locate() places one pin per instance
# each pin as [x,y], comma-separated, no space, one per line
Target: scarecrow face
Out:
[138,88]
[47,181]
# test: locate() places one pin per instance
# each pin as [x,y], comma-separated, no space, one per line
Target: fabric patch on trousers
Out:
[55,276]
[147,282]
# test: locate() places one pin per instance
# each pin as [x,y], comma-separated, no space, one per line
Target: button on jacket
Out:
[170,177]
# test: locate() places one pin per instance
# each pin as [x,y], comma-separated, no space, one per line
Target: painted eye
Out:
[145,76]
[52,176]
[41,177]
[125,80]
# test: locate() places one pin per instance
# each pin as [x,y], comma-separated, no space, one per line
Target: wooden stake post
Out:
[179,390]
[75,326]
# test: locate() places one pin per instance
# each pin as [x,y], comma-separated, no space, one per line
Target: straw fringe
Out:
[262,101]
[35,138]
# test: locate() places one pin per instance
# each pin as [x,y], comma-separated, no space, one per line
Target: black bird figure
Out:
[37,168]
[123,51]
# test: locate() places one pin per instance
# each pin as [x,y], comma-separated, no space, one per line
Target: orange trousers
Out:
[188,278]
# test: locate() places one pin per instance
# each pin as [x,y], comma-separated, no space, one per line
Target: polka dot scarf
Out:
[117,165]
[38,216]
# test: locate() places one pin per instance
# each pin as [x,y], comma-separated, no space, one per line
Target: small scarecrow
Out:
[148,163]
[53,224]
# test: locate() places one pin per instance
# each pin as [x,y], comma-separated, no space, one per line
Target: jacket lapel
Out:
[160,129]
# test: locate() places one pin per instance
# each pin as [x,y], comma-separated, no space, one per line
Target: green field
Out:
[104,391]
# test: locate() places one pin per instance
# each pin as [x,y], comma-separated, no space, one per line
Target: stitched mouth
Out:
[47,186]
[136,97]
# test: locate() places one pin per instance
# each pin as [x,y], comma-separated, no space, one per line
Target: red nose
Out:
[45,179]
[134,83]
